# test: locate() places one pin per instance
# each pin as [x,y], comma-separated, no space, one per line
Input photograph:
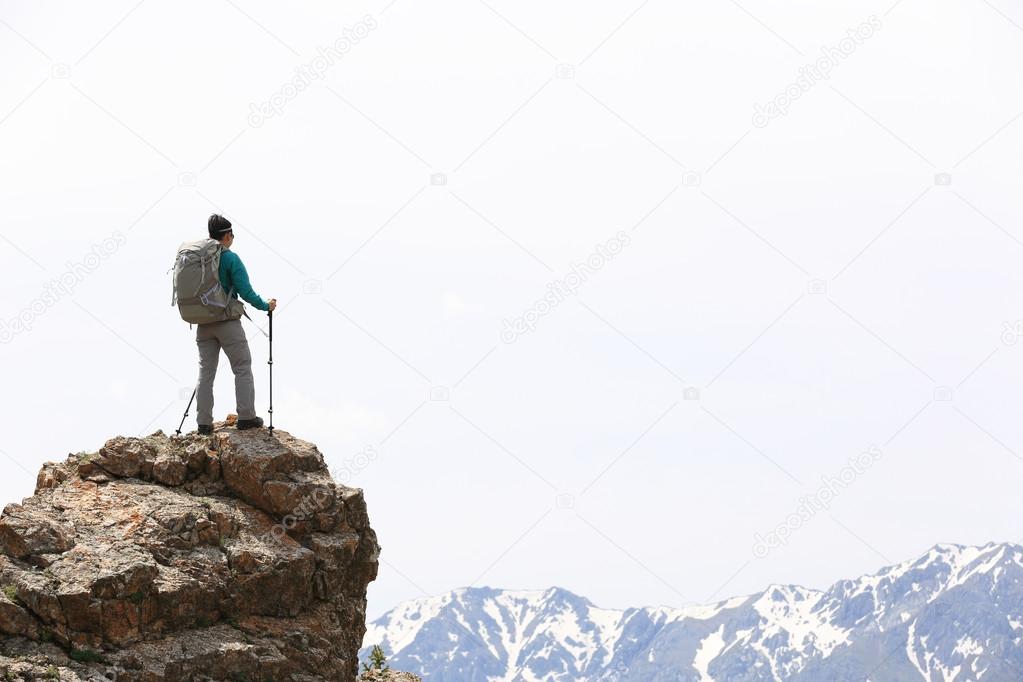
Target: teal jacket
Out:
[233,275]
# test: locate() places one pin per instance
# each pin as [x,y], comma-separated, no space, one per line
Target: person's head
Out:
[220,229]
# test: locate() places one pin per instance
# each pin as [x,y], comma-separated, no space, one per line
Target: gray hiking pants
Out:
[230,336]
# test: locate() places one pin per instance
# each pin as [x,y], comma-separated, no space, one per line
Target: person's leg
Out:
[209,355]
[236,347]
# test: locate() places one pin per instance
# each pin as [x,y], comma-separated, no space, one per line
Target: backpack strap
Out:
[230,292]
[202,277]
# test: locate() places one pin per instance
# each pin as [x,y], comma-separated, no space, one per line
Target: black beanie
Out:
[218,225]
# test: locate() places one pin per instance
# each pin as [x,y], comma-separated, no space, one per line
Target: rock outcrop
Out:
[226,557]
[388,676]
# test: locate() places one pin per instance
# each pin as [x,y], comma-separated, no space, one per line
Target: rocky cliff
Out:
[226,557]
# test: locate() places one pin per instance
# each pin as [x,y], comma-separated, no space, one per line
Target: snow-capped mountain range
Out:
[954,614]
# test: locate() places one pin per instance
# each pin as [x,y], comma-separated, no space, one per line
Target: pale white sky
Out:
[570,455]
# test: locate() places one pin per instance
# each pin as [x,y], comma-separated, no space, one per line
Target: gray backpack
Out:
[197,291]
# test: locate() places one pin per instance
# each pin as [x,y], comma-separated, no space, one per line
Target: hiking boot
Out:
[205,429]
[253,423]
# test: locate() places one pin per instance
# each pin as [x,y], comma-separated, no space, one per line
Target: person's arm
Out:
[240,280]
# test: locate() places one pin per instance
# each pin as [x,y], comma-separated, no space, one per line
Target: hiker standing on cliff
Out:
[228,335]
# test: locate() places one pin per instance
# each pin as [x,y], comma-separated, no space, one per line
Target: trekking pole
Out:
[183,418]
[261,330]
[271,363]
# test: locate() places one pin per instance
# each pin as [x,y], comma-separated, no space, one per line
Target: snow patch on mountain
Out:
[710,647]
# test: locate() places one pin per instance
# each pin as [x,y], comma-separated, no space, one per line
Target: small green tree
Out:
[377,660]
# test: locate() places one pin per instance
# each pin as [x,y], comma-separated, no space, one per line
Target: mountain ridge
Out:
[953,613]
